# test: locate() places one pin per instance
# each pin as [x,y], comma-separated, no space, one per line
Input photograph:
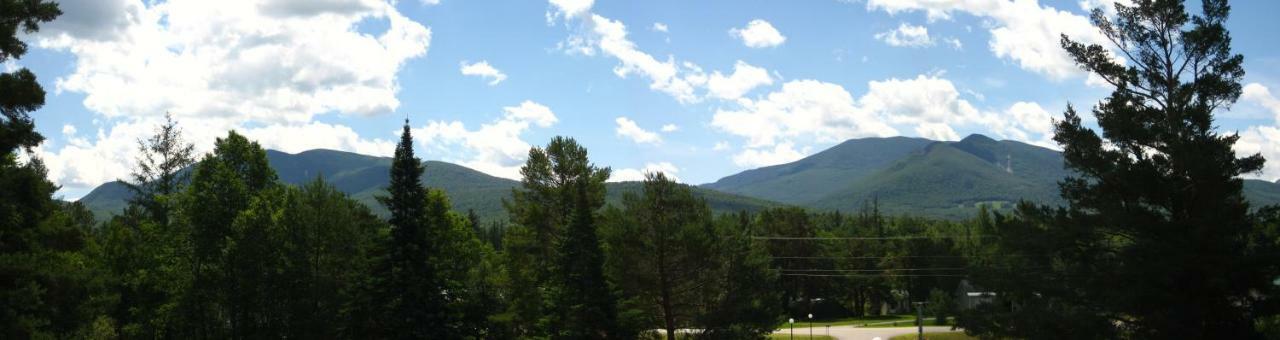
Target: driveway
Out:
[859,333]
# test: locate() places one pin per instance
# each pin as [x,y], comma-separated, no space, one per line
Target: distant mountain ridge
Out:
[922,177]
[364,177]
[905,175]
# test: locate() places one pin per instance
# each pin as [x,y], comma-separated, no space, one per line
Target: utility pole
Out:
[919,318]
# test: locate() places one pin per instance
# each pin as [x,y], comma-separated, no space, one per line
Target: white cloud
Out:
[744,78]
[484,70]
[569,8]
[268,62]
[781,153]
[495,148]
[758,34]
[720,146]
[670,128]
[317,135]
[955,43]
[678,80]
[1264,140]
[630,174]
[68,130]
[265,68]
[812,109]
[783,125]
[659,27]
[681,80]
[906,36]
[629,129]
[1260,95]
[1022,30]
[430,2]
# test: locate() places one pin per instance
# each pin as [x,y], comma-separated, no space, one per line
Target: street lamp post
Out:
[792,321]
[811,325]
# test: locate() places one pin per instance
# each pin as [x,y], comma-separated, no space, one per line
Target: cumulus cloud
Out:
[781,153]
[670,128]
[568,8]
[1266,141]
[1022,31]
[758,34]
[632,174]
[482,69]
[659,27]
[782,126]
[265,68]
[628,128]
[744,78]
[496,148]
[906,36]
[274,62]
[1258,94]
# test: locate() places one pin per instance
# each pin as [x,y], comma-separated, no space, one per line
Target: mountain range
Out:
[365,177]
[943,179]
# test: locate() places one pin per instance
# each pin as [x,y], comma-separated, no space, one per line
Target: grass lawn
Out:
[851,321]
[905,323]
[798,336]
[936,336]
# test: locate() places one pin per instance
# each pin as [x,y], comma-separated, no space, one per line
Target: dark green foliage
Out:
[583,306]
[429,283]
[21,93]
[159,170]
[45,278]
[560,190]
[366,177]
[744,299]
[662,251]
[1157,240]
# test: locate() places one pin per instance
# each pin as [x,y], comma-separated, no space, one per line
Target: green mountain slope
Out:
[938,179]
[364,177]
[821,174]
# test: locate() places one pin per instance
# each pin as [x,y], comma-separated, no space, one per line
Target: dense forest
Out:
[1155,239]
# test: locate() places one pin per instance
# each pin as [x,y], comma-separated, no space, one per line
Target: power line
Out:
[871,270]
[873,275]
[870,257]
[814,238]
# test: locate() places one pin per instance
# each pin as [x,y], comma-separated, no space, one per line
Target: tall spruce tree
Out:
[1157,239]
[415,303]
[583,304]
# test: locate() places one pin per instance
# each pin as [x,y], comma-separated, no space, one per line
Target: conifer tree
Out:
[1157,241]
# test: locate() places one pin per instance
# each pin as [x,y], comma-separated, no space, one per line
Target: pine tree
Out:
[1157,240]
[540,210]
[415,303]
[583,304]
[663,251]
[159,170]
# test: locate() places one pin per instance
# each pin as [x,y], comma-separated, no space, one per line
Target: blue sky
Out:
[698,89]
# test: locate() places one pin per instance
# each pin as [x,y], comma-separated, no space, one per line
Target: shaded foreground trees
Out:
[1157,240]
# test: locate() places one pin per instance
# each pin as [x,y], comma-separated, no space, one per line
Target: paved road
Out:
[859,333]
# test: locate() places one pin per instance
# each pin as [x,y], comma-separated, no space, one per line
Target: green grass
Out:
[857,321]
[936,336]
[805,336]
[907,323]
